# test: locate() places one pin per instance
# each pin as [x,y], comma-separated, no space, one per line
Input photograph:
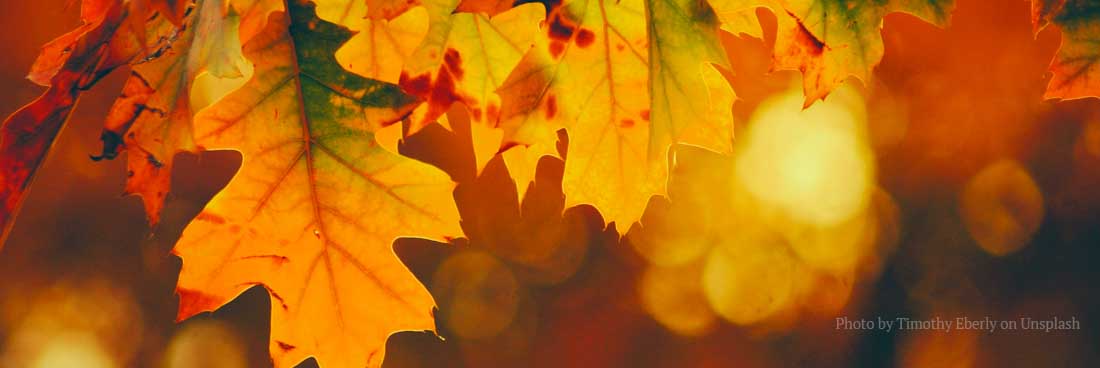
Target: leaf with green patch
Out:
[314,210]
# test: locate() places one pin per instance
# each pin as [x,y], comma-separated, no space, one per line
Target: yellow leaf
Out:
[626,80]
[380,47]
[829,40]
[464,58]
[317,203]
[389,9]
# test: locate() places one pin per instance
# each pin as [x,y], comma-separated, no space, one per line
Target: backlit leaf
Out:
[829,40]
[380,47]
[314,210]
[626,80]
[464,58]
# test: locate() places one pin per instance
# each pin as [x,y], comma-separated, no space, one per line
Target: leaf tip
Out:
[192,302]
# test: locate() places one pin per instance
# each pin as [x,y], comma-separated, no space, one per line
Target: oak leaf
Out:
[317,203]
[1076,67]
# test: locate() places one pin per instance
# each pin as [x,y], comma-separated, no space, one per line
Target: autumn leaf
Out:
[739,16]
[314,210]
[1076,67]
[68,65]
[480,51]
[380,47]
[464,58]
[690,102]
[828,40]
[626,80]
[153,115]
[56,53]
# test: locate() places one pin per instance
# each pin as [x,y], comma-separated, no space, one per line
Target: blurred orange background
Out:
[943,187]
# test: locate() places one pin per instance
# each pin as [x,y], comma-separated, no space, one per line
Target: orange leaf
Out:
[314,210]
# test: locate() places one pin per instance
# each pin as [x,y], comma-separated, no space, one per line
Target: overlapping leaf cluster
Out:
[313,211]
